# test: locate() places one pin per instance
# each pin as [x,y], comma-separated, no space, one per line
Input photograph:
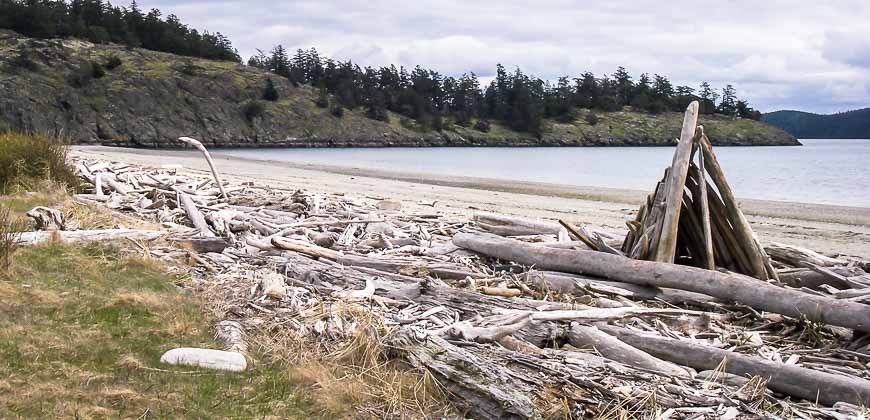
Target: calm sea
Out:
[822,171]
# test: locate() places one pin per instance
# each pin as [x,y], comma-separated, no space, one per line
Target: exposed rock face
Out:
[154,98]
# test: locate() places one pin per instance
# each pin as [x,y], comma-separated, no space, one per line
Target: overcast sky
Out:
[801,54]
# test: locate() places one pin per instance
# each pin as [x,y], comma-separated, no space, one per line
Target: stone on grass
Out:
[206,358]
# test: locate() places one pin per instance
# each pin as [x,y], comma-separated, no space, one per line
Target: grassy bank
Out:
[82,329]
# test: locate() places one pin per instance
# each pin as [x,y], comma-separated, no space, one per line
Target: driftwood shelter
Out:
[690,220]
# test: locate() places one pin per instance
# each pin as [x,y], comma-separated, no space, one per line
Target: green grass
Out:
[82,329]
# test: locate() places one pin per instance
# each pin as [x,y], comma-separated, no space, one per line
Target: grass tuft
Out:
[27,160]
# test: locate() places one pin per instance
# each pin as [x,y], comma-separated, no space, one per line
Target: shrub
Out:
[322,99]
[567,117]
[482,126]
[10,232]
[82,76]
[252,110]
[337,110]
[25,158]
[113,62]
[378,113]
[270,93]
[24,61]
[592,119]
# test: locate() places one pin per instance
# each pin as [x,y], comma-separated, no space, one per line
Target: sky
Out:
[800,54]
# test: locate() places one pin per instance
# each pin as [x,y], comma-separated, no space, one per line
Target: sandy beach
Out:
[825,228]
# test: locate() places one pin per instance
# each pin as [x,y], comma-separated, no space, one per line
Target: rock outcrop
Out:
[152,98]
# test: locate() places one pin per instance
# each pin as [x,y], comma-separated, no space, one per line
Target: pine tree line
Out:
[100,22]
[516,99]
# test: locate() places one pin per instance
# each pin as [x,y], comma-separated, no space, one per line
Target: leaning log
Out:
[676,183]
[198,145]
[808,384]
[731,287]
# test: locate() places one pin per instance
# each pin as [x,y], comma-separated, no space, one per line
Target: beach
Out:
[824,228]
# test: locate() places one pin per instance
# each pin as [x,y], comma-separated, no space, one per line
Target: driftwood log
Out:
[808,384]
[731,287]
[33,238]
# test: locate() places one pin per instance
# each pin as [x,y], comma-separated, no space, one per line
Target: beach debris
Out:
[518,318]
[206,359]
[47,218]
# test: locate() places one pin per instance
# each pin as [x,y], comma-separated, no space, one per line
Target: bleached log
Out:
[69,236]
[605,314]
[206,358]
[483,388]
[45,217]
[198,145]
[587,337]
[667,244]
[193,213]
[514,226]
[464,330]
[808,384]
[709,258]
[732,287]
[796,256]
[232,335]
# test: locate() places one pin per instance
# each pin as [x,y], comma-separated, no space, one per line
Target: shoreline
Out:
[826,228]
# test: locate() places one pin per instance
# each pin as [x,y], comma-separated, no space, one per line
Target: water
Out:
[822,171]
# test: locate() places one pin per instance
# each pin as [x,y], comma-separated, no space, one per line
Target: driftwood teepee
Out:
[691,221]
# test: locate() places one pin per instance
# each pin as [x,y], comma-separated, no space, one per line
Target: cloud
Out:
[777,53]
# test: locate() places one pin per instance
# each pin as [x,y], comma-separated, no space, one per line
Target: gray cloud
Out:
[778,53]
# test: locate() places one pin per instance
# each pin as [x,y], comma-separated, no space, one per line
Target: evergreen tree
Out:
[270,93]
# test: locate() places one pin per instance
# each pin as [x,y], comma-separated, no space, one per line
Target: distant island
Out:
[118,76]
[843,125]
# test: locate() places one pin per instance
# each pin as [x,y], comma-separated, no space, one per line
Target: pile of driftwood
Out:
[516,318]
[687,220]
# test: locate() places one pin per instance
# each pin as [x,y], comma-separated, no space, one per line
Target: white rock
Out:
[206,358]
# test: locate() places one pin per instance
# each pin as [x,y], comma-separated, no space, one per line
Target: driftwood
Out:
[590,337]
[45,218]
[198,145]
[326,265]
[796,256]
[675,184]
[33,238]
[804,383]
[732,287]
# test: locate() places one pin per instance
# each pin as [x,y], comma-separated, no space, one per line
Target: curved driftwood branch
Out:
[198,145]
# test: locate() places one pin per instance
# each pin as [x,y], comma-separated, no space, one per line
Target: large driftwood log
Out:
[33,238]
[796,256]
[675,185]
[732,287]
[588,337]
[482,388]
[808,384]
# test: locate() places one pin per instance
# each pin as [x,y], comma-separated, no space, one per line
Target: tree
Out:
[270,93]
[623,86]
[728,106]
[708,99]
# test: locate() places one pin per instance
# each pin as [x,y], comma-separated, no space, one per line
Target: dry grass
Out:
[29,159]
[354,376]
[11,227]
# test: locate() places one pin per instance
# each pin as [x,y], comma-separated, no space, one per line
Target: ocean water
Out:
[822,171]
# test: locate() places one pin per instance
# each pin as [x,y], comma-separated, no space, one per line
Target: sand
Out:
[828,229]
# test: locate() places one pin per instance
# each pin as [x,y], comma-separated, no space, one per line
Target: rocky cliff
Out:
[144,98]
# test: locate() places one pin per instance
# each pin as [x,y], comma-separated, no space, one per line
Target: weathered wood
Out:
[46,217]
[587,337]
[193,213]
[742,289]
[705,213]
[69,236]
[667,243]
[792,380]
[479,386]
[198,145]
[796,256]
[741,227]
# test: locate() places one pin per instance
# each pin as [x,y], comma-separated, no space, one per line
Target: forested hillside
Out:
[844,125]
[113,90]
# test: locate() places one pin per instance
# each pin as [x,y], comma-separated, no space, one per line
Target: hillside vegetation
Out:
[115,95]
[844,125]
